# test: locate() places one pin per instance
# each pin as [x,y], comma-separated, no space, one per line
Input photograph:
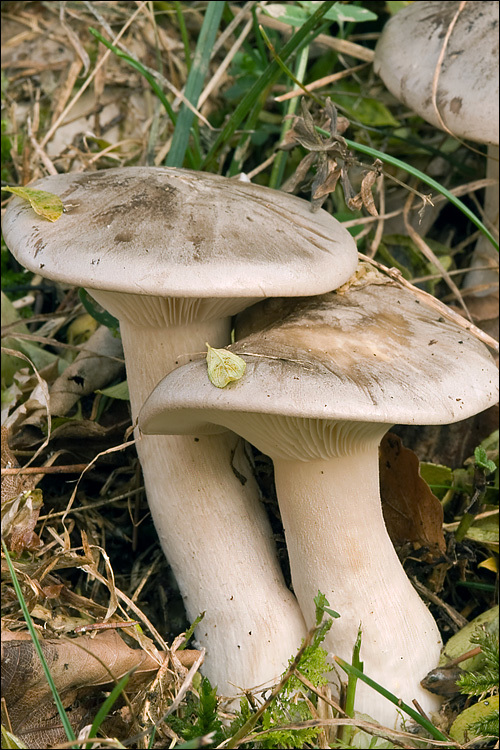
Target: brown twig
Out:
[70,469]
[320,82]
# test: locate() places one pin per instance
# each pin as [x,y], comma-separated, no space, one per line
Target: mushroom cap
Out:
[372,353]
[407,56]
[179,233]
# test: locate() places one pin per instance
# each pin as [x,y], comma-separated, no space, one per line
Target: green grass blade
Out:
[259,43]
[252,120]
[251,124]
[106,707]
[287,70]
[189,632]
[102,317]
[424,178]
[36,643]
[184,34]
[279,164]
[194,84]
[477,585]
[347,731]
[306,33]
[425,723]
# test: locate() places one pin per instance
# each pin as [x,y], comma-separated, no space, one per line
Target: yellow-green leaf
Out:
[461,729]
[10,741]
[490,564]
[223,366]
[485,531]
[45,204]
[119,391]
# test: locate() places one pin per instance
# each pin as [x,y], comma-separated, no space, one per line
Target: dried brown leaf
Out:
[76,665]
[300,174]
[412,513]
[326,182]
[13,485]
[324,152]
[19,518]
[366,192]
[483,308]
[20,504]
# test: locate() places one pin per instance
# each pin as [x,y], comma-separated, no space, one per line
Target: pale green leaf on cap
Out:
[45,204]
[223,366]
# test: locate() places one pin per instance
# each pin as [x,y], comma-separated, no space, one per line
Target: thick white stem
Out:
[338,543]
[484,280]
[213,529]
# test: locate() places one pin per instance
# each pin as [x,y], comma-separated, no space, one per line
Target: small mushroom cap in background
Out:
[370,352]
[407,59]
[174,232]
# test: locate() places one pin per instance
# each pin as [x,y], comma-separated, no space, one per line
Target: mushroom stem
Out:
[484,252]
[338,543]
[212,527]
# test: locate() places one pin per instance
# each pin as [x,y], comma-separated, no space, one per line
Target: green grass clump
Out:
[201,718]
[293,704]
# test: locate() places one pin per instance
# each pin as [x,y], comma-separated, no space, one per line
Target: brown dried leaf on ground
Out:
[412,512]
[13,484]
[19,518]
[77,666]
[21,504]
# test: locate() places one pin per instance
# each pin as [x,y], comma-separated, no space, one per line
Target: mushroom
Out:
[325,378]
[173,254]
[412,54]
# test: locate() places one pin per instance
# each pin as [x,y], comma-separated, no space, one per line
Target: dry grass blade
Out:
[155,73]
[58,122]
[430,255]
[115,448]
[152,709]
[325,81]
[40,470]
[397,737]
[92,570]
[309,685]
[75,41]
[374,245]
[459,620]
[240,14]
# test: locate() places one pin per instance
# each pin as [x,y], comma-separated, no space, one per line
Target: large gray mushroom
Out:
[173,254]
[325,379]
[414,54]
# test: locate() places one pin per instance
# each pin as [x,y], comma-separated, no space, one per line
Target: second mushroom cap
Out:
[371,351]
